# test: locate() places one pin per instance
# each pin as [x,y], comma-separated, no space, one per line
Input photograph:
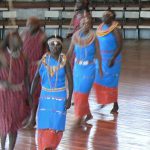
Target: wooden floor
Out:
[130,130]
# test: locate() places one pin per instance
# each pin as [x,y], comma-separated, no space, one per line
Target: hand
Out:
[69,35]
[111,62]
[30,123]
[68,103]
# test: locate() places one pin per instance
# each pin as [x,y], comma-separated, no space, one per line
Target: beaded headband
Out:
[55,40]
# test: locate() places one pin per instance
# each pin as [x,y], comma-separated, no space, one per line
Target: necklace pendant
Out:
[51,72]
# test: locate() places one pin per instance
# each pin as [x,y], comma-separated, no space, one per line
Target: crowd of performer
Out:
[33,71]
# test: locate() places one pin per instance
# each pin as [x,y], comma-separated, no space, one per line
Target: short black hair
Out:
[114,14]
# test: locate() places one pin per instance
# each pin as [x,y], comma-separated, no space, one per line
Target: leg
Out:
[79,122]
[12,140]
[115,108]
[3,141]
[81,107]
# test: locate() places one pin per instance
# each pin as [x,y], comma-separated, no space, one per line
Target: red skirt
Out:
[105,95]
[48,139]
[13,110]
[81,104]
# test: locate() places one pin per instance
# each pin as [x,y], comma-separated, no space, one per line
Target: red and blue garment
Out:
[106,87]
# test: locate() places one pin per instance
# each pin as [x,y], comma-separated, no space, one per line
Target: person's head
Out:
[55,44]
[79,6]
[86,22]
[108,17]
[33,23]
[12,41]
[85,3]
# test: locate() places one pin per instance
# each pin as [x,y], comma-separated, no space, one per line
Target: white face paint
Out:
[55,45]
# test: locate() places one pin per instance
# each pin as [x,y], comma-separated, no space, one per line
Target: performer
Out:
[85,46]
[53,101]
[33,48]
[110,41]
[13,88]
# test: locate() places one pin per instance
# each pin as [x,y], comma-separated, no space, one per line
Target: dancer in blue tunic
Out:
[53,102]
[110,41]
[85,46]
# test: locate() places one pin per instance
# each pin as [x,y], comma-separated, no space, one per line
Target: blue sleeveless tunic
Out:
[108,45]
[51,110]
[83,75]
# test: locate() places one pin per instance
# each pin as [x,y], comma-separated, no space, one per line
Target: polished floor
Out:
[130,129]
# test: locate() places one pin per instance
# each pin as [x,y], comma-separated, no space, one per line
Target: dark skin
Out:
[55,51]
[119,48]
[108,19]
[86,25]
[14,43]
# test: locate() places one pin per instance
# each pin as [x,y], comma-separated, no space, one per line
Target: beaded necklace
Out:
[52,70]
[101,32]
[84,41]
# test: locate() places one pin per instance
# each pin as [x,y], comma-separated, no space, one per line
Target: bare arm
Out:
[70,84]
[70,51]
[98,55]
[35,80]
[119,42]
[119,48]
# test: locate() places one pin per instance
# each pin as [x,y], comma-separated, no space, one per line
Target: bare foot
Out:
[102,106]
[88,117]
[115,109]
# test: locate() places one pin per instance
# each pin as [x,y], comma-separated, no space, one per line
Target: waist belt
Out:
[82,62]
[54,89]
